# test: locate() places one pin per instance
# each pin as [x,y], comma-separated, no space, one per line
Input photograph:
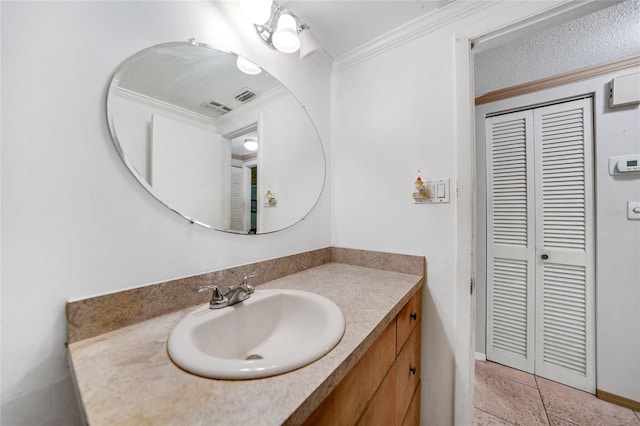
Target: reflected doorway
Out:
[242,209]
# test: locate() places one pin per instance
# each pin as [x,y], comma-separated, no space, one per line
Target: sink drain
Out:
[254,356]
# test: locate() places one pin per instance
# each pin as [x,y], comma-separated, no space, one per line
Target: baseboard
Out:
[480,357]
[618,400]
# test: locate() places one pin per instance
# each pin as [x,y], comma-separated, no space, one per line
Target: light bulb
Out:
[285,38]
[247,67]
[251,144]
[256,11]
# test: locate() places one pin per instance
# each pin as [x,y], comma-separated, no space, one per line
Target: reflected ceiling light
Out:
[247,67]
[251,144]
[285,32]
[256,11]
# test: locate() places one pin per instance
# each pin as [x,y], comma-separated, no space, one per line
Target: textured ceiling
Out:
[606,35]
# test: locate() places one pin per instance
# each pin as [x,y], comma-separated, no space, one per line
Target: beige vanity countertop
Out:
[125,377]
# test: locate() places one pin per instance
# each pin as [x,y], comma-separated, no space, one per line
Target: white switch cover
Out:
[438,191]
[633,210]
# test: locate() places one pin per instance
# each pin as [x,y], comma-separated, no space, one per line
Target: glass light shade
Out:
[256,11]
[285,38]
[247,67]
[251,144]
[308,43]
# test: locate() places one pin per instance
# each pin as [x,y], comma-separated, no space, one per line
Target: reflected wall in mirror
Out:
[223,148]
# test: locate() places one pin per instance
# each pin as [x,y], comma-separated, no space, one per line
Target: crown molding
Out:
[425,24]
[157,103]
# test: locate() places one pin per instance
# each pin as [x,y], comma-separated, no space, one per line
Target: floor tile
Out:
[509,400]
[480,418]
[582,408]
[507,372]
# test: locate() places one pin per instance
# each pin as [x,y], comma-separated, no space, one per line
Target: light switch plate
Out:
[438,191]
[633,210]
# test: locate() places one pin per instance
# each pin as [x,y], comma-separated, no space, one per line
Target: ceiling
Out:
[341,26]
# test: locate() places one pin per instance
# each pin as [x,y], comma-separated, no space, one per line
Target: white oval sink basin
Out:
[272,332]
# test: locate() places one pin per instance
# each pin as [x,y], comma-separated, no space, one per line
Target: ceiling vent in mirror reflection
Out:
[245,95]
[175,111]
[222,109]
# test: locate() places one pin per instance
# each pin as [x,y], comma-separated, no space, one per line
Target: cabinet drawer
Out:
[407,373]
[409,316]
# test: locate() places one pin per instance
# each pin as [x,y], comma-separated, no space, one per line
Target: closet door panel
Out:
[510,248]
[565,346]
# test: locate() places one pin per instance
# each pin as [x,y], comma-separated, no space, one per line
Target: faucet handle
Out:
[217,298]
[246,277]
[245,285]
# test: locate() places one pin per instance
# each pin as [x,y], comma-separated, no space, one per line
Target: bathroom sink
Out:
[272,332]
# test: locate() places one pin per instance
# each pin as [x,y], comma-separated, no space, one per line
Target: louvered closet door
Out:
[565,347]
[236,203]
[510,240]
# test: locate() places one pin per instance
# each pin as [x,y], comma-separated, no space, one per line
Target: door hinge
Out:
[471,285]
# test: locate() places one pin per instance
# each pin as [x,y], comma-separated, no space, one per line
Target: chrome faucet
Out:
[232,296]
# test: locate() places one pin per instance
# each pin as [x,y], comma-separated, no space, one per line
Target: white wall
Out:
[617,132]
[75,223]
[294,183]
[383,130]
[400,108]
[187,169]
[131,118]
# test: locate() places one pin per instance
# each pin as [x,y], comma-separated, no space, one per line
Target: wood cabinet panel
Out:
[381,410]
[408,317]
[408,373]
[346,403]
[412,418]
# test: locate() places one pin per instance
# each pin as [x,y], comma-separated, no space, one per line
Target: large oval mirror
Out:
[228,149]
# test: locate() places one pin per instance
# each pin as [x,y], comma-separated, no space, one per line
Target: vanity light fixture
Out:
[284,31]
[251,144]
[247,67]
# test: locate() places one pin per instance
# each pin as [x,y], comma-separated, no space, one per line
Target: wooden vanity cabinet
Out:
[383,388]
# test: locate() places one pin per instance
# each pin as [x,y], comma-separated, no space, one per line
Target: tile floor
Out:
[504,396]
